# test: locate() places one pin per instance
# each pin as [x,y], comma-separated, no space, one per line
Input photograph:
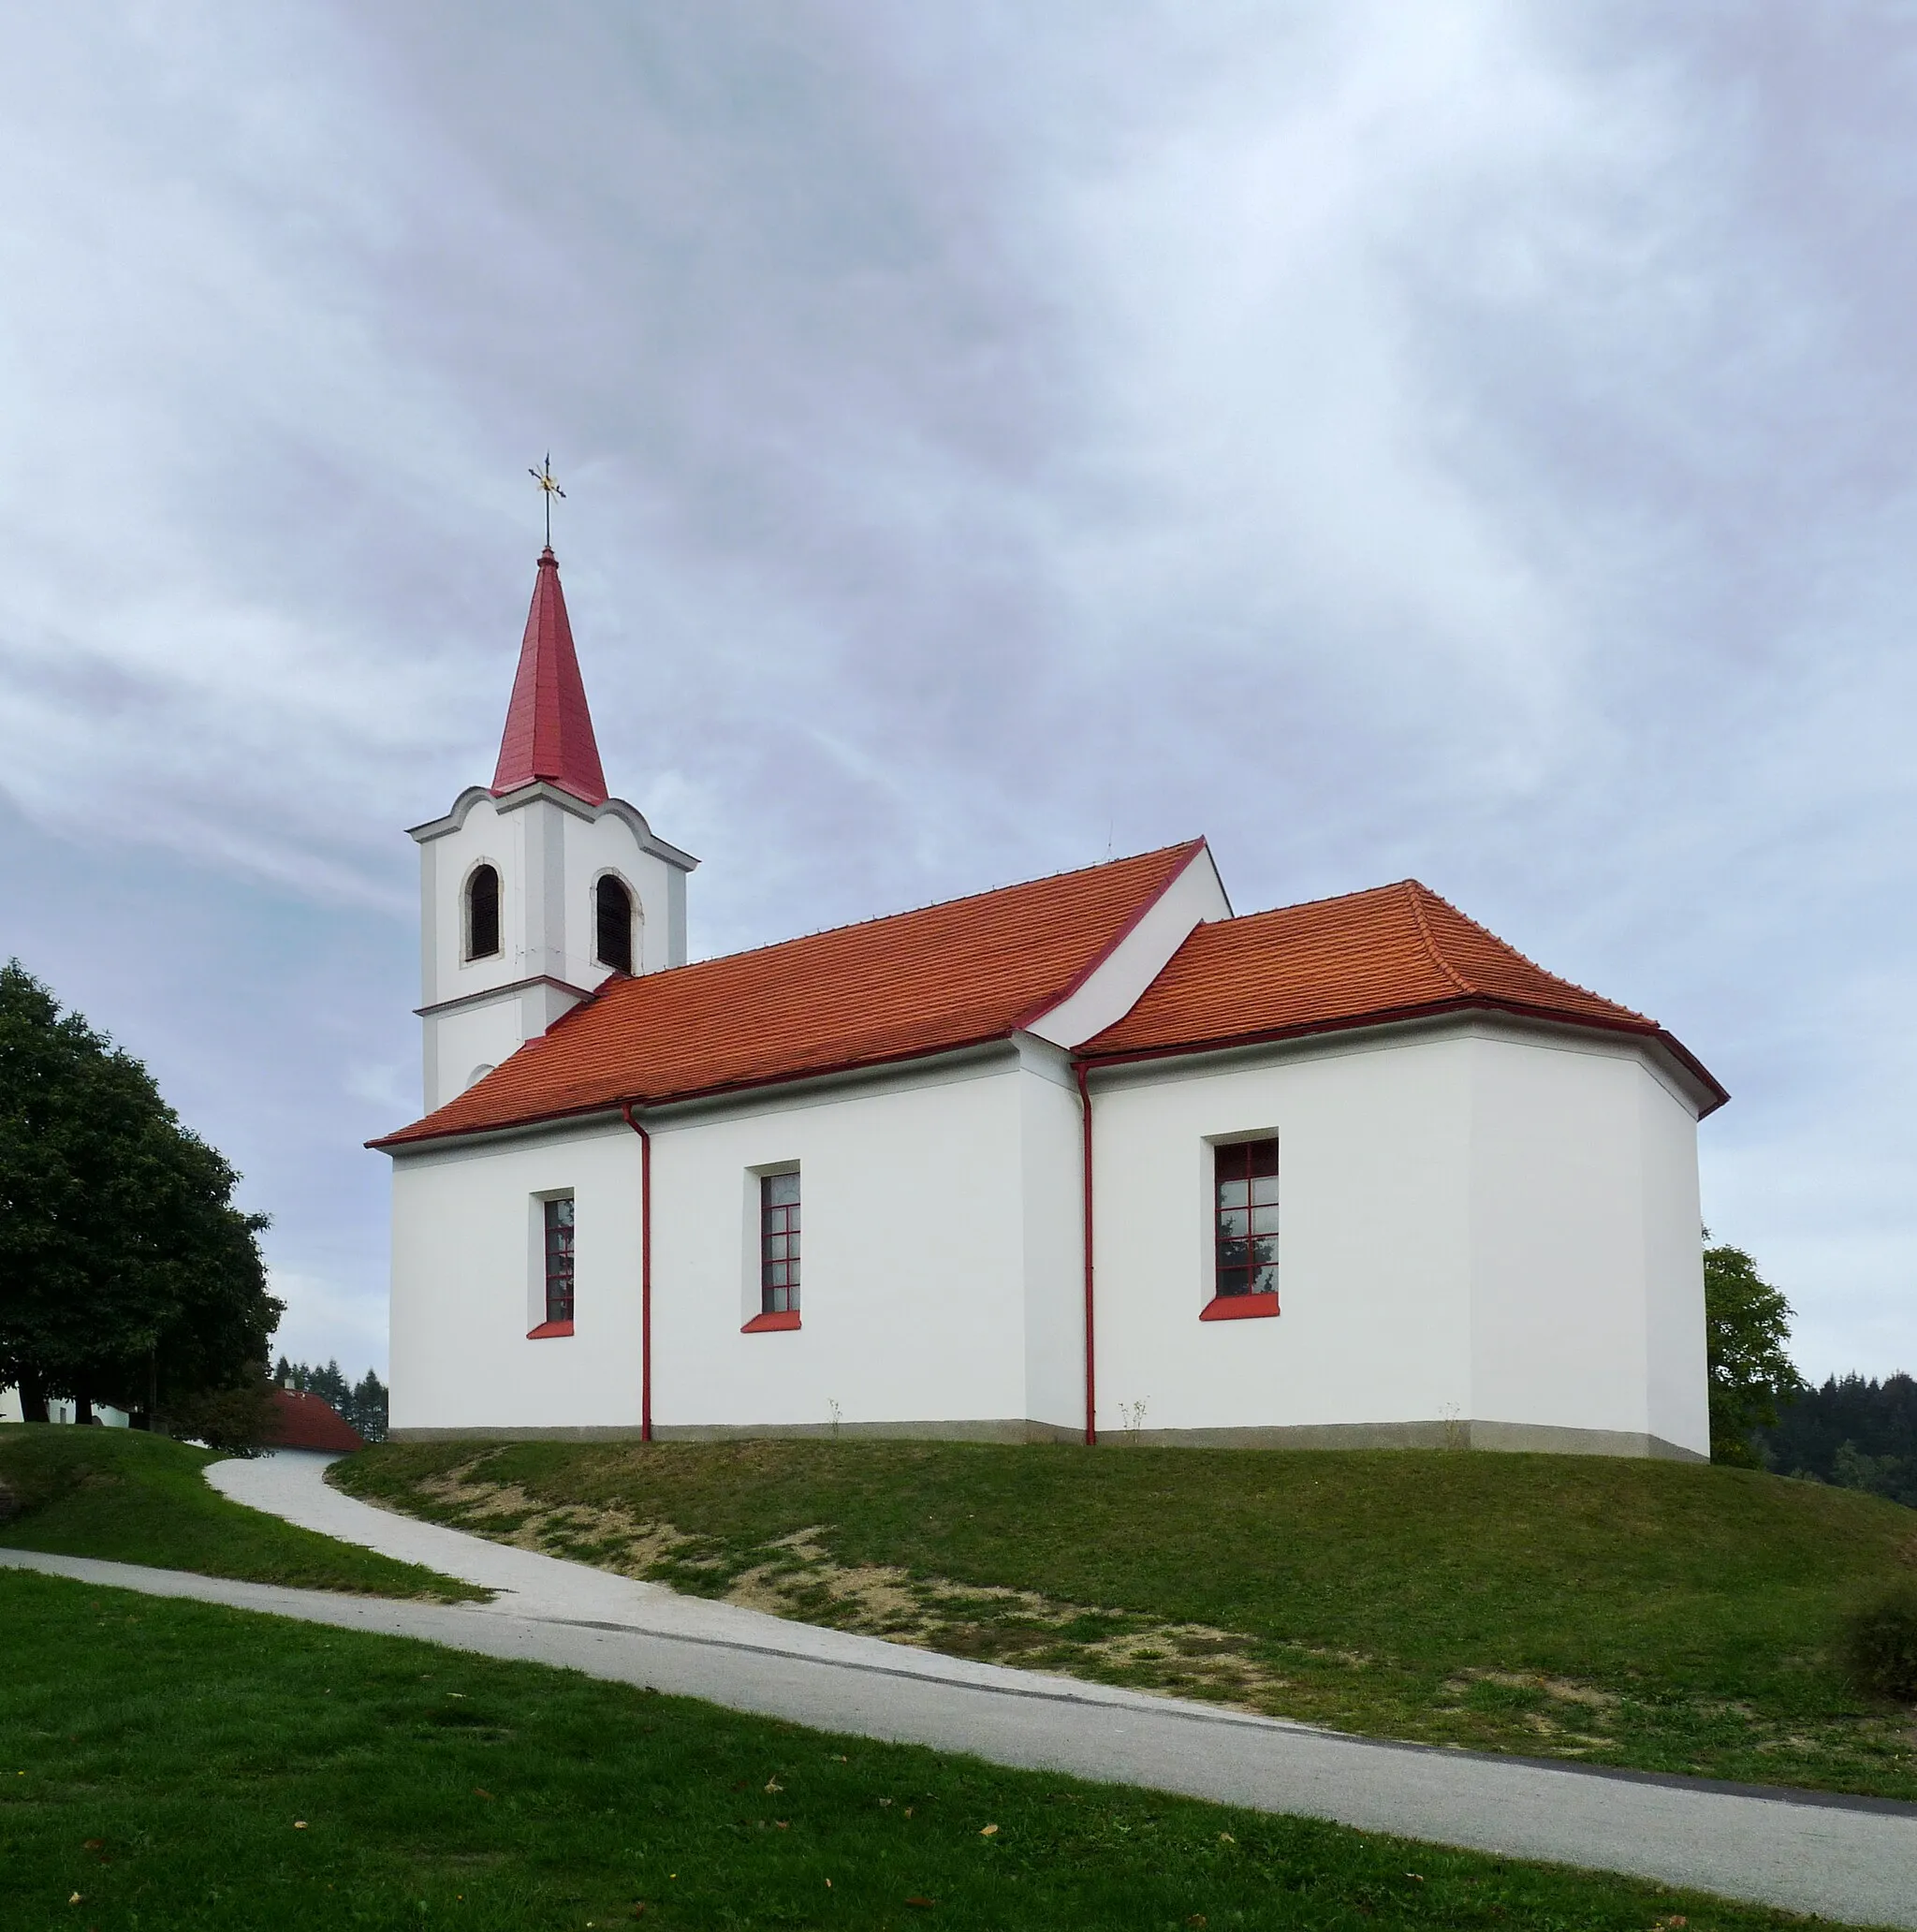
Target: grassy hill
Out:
[134,1497]
[1671,1617]
[177,1767]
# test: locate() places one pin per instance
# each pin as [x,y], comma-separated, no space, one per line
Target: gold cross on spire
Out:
[549,489]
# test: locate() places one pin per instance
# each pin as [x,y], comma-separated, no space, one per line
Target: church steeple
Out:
[548,729]
[537,887]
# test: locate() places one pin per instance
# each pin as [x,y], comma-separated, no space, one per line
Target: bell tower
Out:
[535,889]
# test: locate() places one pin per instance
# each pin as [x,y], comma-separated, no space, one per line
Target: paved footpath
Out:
[1851,1859]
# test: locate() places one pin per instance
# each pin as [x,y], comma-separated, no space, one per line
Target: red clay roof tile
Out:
[920,982]
[1391,952]
[977,969]
[309,1422]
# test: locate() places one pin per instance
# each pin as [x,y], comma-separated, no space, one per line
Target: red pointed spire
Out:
[549,729]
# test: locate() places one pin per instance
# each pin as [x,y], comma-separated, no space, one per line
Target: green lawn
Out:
[178,1765]
[1671,1617]
[135,1498]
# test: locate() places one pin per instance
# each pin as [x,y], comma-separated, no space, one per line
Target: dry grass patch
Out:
[797,1576]
[1667,1617]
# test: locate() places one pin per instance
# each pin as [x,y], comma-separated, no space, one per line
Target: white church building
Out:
[1085,1155]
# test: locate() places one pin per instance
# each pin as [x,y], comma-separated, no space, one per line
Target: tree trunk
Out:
[82,1407]
[33,1397]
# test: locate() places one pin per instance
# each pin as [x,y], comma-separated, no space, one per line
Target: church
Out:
[1086,1158]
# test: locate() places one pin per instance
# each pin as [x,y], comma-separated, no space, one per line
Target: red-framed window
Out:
[779,1244]
[559,1260]
[1245,1226]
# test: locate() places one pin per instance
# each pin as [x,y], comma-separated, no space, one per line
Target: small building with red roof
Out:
[1088,1152]
[304,1421]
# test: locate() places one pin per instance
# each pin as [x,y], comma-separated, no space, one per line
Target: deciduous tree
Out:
[1746,1326]
[126,1269]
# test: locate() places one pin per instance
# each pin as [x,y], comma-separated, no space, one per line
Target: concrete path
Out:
[1848,1859]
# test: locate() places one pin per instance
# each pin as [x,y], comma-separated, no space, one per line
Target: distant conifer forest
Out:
[1857,1433]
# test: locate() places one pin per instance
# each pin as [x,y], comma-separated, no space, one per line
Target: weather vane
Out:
[547,490]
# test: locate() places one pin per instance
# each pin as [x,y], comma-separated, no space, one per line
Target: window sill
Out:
[1237,1307]
[767,1325]
[547,1330]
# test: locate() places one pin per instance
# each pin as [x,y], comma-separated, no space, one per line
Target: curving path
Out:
[1852,1859]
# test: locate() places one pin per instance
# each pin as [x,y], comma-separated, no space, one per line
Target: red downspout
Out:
[645,1270]
[1091,1357]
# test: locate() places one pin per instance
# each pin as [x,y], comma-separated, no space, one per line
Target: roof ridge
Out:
[1556,978]
[930,905]
[1413,892]
[1299,905]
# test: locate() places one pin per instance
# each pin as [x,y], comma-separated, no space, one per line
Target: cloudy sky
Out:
[1468,441]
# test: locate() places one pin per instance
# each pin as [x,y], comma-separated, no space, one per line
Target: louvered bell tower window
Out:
[482,913]
[613,911]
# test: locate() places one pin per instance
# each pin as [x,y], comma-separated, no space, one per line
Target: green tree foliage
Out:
[367,1408]
[1746,1326]
[126,1269]
[1854,1431]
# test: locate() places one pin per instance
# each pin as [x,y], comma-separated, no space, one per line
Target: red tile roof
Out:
[921,981]
[1393,952]
[307,1421]
[978,968]
[548,729]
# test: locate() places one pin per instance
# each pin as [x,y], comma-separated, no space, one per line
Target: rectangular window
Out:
[779,1244]
[1245,1230]
[559,1260]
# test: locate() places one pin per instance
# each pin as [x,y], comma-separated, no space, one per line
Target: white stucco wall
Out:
[551,855]
[1674,1266]
[1051,1171]
[467,1286]
[1587,1310]
[1558,1312]
[61,1410]
[919,1251]
[1481,1226]
[913,1301]
[1373,1266]
[1478,1226]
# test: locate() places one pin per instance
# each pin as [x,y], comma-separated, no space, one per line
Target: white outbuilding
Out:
[1083,1155]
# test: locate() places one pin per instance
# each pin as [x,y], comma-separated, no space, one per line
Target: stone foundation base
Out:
[1015,1430]
[1537,1438]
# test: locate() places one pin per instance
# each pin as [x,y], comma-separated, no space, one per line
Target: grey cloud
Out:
[1470,441]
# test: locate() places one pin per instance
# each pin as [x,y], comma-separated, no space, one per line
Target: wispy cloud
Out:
[1472,441]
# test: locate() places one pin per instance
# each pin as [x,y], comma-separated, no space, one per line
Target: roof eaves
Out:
[1391,1016]
[1716,1092]
[408,1137]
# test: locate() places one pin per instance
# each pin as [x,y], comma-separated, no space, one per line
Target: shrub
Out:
[1880,1645]
[236,1421]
